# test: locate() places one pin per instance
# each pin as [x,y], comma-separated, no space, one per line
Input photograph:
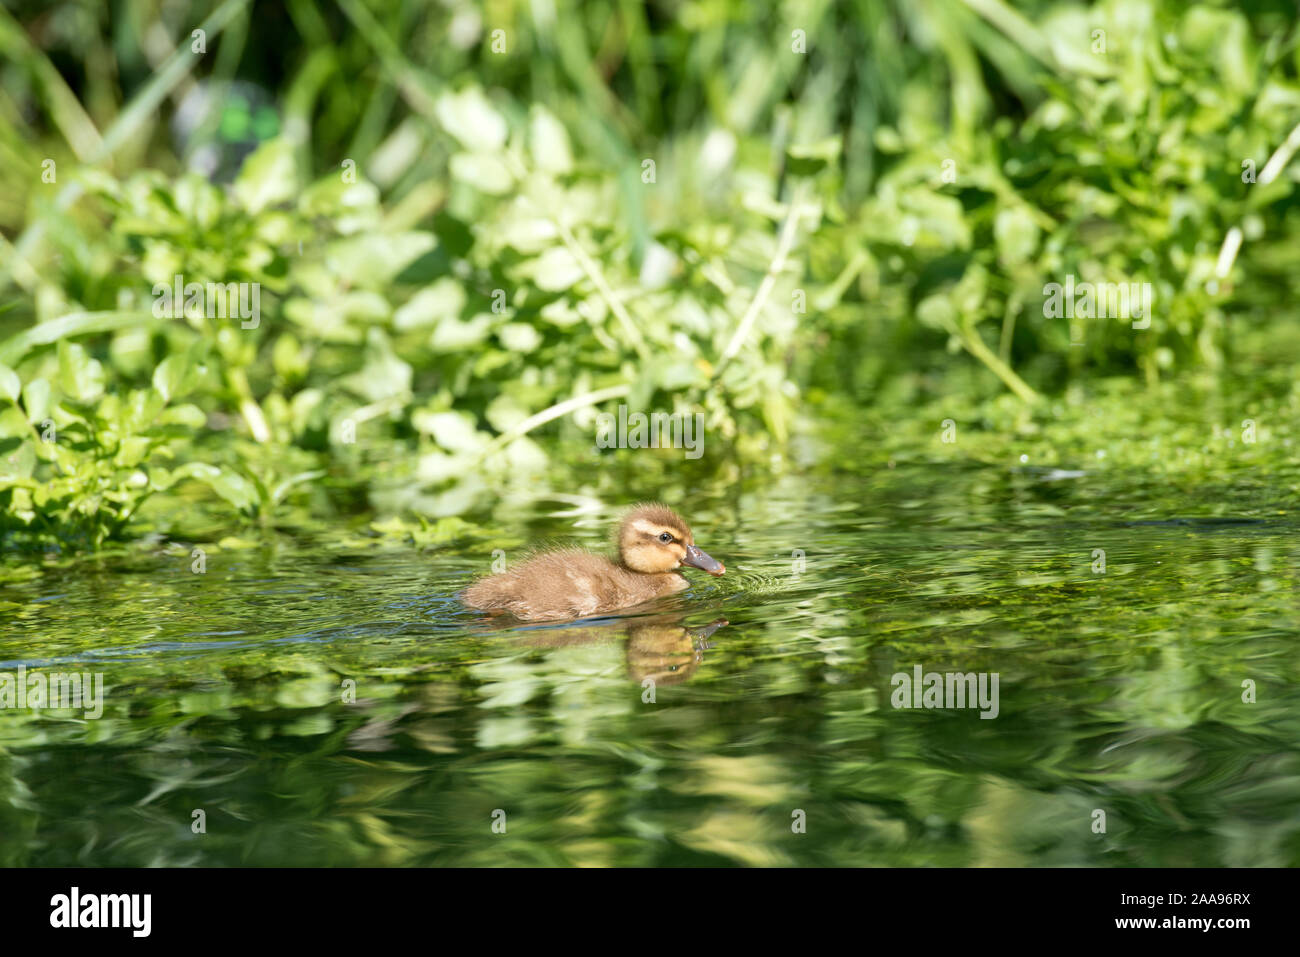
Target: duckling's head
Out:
[653,539]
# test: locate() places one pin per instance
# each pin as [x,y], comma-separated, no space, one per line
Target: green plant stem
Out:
[973,344]
[417,87]
[1281,156]
[65,109]
[783,246]
[248,407]
[1017,28]
[597,278]
[554,412]
[1232,240]
[1008,331]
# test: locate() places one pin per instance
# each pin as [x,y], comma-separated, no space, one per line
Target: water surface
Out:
[1121,691]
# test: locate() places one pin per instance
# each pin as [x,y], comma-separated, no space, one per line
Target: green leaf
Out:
[36,399]
[483,171]
[452,430]
[279,492]
[230,485]
[131,451]
[190,416]
[1016,235]
[472,120]
[519,337]
[13,423]
[373,260]
[17,460]
[171,376]
[198,200]
[384,375]
[11,386]
[556,269]
[268,176]
[937,312]
[452,334]
[80,377]
[549,142]
[333,198]
[432,304]
[811,158]
[73,324]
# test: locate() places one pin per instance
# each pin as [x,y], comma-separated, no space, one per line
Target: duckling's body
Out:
[568,583]
[573,583]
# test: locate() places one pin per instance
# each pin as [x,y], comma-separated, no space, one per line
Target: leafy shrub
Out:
[464,256]
[440,347]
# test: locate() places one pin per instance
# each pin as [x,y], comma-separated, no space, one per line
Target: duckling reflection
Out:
[666,652]
[659,647]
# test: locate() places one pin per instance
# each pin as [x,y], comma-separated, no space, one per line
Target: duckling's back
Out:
[566,583]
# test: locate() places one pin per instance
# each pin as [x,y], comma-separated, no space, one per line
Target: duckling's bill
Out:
[696,557]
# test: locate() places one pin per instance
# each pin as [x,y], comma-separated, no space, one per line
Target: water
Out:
[1120,691]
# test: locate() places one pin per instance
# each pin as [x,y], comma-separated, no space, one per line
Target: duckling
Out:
[573,583]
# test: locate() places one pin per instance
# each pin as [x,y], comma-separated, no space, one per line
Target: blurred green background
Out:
[474,226]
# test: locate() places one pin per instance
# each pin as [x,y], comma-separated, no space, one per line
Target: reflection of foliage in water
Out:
[1119,692]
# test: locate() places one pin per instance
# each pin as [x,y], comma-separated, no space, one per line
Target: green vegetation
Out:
[467,243]
[422,246]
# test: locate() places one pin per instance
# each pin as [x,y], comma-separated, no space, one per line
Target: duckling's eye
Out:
[665,538]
